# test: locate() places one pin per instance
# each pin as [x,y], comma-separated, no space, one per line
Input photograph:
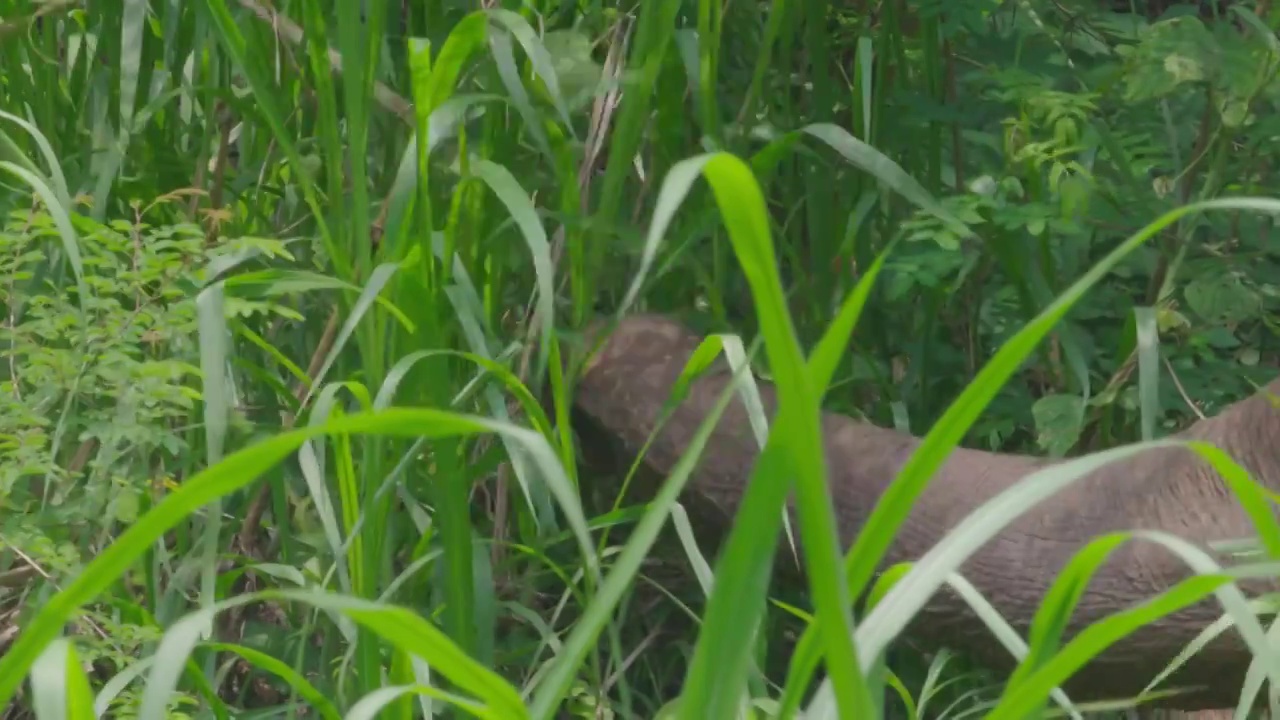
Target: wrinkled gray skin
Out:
[619,397]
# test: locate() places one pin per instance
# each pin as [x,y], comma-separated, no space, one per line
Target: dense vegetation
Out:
[288,288]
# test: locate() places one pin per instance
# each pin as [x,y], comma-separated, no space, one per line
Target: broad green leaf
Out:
[1058,423]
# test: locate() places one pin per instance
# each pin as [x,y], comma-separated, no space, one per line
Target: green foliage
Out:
[283,401]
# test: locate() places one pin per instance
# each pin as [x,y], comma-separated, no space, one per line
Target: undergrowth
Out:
[290,291]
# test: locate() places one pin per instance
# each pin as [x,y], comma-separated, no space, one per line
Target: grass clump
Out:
[291,290]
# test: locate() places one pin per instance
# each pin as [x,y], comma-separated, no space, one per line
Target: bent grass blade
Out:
[234,472]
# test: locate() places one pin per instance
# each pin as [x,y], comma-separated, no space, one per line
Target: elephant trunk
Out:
[619,401]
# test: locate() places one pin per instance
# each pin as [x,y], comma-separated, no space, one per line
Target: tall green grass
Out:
[430,255]
[715,684]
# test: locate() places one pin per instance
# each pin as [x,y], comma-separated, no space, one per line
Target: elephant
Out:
[618,399]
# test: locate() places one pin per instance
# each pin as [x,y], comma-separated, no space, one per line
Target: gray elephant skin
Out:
[618,401]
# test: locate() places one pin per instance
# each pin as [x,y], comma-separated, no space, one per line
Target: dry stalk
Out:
[389,99]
